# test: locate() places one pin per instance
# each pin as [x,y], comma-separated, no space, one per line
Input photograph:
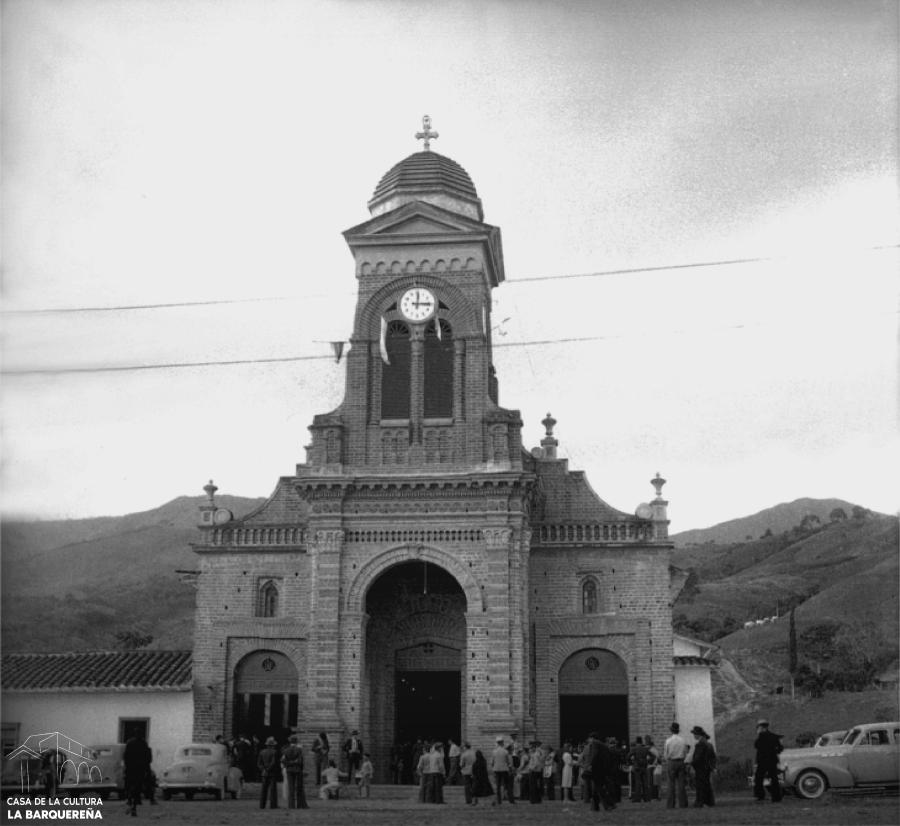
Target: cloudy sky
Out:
[207,155]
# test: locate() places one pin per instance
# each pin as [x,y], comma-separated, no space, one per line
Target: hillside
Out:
[776,519]
[845,573]
[828,571]
[80,581]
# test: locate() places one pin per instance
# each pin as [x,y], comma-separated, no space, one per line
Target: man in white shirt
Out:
[674,753]
[453,778]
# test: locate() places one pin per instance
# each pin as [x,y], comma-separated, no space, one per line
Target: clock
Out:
[417,304]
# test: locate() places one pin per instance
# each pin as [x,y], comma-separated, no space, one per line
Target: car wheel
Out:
[166,794]
[188,795]
[811,784]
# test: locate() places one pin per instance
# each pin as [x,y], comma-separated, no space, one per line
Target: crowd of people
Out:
[597,771]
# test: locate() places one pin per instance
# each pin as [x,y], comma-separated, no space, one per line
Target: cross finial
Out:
[426,134]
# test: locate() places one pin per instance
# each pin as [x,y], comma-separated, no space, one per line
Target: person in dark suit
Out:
[768,747]
[353,748]
[269,765]
[137,759]
[703,762]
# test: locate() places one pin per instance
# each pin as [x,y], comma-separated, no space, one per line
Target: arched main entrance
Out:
[265,695]
[415,657]
[593,696]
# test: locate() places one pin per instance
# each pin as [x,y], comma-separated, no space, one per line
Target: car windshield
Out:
[851,736]
[197,752]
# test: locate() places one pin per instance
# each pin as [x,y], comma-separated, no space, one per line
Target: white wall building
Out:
[100,698]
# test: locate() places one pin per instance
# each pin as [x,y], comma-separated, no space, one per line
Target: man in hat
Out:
[674,752]
[768,747]
[292,760]
[269,765]
[703,762]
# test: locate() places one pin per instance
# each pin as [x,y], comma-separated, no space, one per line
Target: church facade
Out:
[421,574]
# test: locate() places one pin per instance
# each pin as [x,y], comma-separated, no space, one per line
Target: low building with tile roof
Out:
[99,698]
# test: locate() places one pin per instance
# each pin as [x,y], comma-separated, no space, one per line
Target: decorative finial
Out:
[548,424]
[658,483]
[549,443]
[210,490]
[426,134]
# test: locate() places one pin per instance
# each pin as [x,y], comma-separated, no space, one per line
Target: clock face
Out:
[417,304]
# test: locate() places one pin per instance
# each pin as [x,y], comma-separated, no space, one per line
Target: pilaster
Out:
[325,649]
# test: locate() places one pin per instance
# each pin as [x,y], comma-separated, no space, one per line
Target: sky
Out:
[207,156]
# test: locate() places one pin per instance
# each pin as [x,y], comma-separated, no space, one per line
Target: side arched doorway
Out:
[593,696]
[415,661]
[265,696]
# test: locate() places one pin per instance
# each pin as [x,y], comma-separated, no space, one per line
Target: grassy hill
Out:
[843,573]
[776,519]
[790,718]
[72,584]
[829,572]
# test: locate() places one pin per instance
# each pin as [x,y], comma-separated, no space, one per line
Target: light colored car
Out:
[198,767]
[102,775]
[868,757]
[831,738]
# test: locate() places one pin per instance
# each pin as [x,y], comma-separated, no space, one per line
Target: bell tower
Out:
[421,392]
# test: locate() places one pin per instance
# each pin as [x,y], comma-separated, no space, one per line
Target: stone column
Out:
[501,650]
[520,627]
[324,648]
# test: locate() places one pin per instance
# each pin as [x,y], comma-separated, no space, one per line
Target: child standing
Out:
[366,770]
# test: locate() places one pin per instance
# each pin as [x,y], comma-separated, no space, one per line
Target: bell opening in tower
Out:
[438,370]
[395,373]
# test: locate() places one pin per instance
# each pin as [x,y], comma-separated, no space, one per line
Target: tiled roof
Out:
[97,671]
[690,659]
[426,170]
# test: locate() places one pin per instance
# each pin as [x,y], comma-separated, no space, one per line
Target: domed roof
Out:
[427,176]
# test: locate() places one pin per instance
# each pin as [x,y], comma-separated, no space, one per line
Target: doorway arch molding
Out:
[387,559]
[621,645]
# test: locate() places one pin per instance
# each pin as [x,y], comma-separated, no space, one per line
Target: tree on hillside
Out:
[792,645]
[809,521]
[132,639]
[859,512]
[767,534]
[837,515]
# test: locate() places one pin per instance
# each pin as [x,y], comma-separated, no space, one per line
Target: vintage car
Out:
[198,767]
[868,757]
[104,774]
[830,738]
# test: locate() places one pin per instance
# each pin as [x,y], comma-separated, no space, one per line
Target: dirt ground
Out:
[732,808]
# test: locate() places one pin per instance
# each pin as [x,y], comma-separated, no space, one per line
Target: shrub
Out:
[731,775]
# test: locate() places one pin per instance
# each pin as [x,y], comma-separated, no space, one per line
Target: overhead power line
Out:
[513,281]
[39,371]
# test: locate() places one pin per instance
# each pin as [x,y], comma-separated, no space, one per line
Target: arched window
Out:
[438,371]
[268,600]
[395,383]
[589,597]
